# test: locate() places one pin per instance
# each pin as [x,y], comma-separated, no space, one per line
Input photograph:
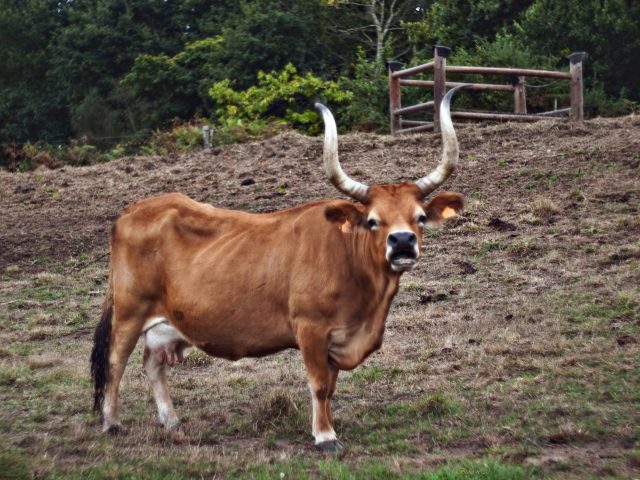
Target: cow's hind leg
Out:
[124,337]
[163,347]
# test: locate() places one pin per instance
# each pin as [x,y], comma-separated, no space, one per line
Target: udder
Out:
[165,343]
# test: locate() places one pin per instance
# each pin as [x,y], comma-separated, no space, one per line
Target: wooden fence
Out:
[399,78]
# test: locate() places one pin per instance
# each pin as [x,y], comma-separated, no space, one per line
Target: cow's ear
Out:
[345,212]
[443,206]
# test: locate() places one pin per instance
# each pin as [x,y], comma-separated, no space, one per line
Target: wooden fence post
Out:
[520,95]
[575,69]
[440,54]
[206,137]
[394,95]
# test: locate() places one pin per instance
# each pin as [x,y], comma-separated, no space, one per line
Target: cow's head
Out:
[394,215]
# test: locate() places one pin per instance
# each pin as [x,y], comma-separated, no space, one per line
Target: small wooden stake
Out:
[520,96]
[575,69]
[206,137]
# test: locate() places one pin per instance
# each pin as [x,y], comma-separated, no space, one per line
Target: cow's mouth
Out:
[403,260]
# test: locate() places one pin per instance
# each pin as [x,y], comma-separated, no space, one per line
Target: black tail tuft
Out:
[100,356]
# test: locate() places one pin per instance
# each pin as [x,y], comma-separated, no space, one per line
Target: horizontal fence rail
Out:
[508,71]
[470,86]
[413,70]
[414,108]
[398,78]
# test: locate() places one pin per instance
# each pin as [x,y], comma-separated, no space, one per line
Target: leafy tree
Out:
[269,34]
[376,25]
[368,109]
[176,86]
[114,68]
[30,106]
[461,23]
[102,38]
[608,31]
[98,44]
[540,34]
[202,19]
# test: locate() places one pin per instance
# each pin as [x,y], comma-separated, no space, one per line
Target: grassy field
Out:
[511,352]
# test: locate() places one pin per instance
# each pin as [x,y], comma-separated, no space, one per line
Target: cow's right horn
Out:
[332,167]
[449,160]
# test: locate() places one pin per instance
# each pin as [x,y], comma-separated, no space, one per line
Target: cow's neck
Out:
[372,272]
[363,330]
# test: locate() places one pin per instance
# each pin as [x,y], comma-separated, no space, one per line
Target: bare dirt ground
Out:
[514,344]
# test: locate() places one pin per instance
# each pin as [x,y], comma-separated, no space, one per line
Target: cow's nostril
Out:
[393,240]
[412,239]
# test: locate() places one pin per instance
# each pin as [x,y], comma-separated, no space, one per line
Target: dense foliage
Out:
[282,98]
[111,72]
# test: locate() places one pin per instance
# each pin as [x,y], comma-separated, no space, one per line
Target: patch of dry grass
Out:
[544,208]
[516,346]
[45,360]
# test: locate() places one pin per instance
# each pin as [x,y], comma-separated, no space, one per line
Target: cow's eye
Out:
[372,222]
[422,219]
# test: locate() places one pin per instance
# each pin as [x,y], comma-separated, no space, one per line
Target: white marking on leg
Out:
[166,413]
[106,409]
[329,436]
[320,436]
[109,416]
[157,377]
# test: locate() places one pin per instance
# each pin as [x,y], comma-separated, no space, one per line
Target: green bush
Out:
[279,99]
[31,156]
[82,154]
[236,130]
[180,139]
[598,103]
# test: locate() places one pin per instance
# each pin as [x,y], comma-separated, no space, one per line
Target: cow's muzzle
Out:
[402,250]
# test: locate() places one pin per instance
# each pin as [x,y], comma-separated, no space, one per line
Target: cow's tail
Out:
[100,352]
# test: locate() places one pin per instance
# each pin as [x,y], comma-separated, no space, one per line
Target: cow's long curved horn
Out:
[449,160]
[332,167]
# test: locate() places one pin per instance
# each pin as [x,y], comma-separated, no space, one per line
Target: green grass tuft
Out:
[13,465]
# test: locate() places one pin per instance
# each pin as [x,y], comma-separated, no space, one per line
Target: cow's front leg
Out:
[322,383]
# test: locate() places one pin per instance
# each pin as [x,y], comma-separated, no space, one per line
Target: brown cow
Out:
[321,278]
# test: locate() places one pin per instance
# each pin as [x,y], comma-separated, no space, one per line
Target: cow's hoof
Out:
[329,446]
[173,425]
[114,428]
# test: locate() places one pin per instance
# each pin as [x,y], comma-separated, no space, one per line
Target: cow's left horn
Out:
[449,160]
[332,167]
